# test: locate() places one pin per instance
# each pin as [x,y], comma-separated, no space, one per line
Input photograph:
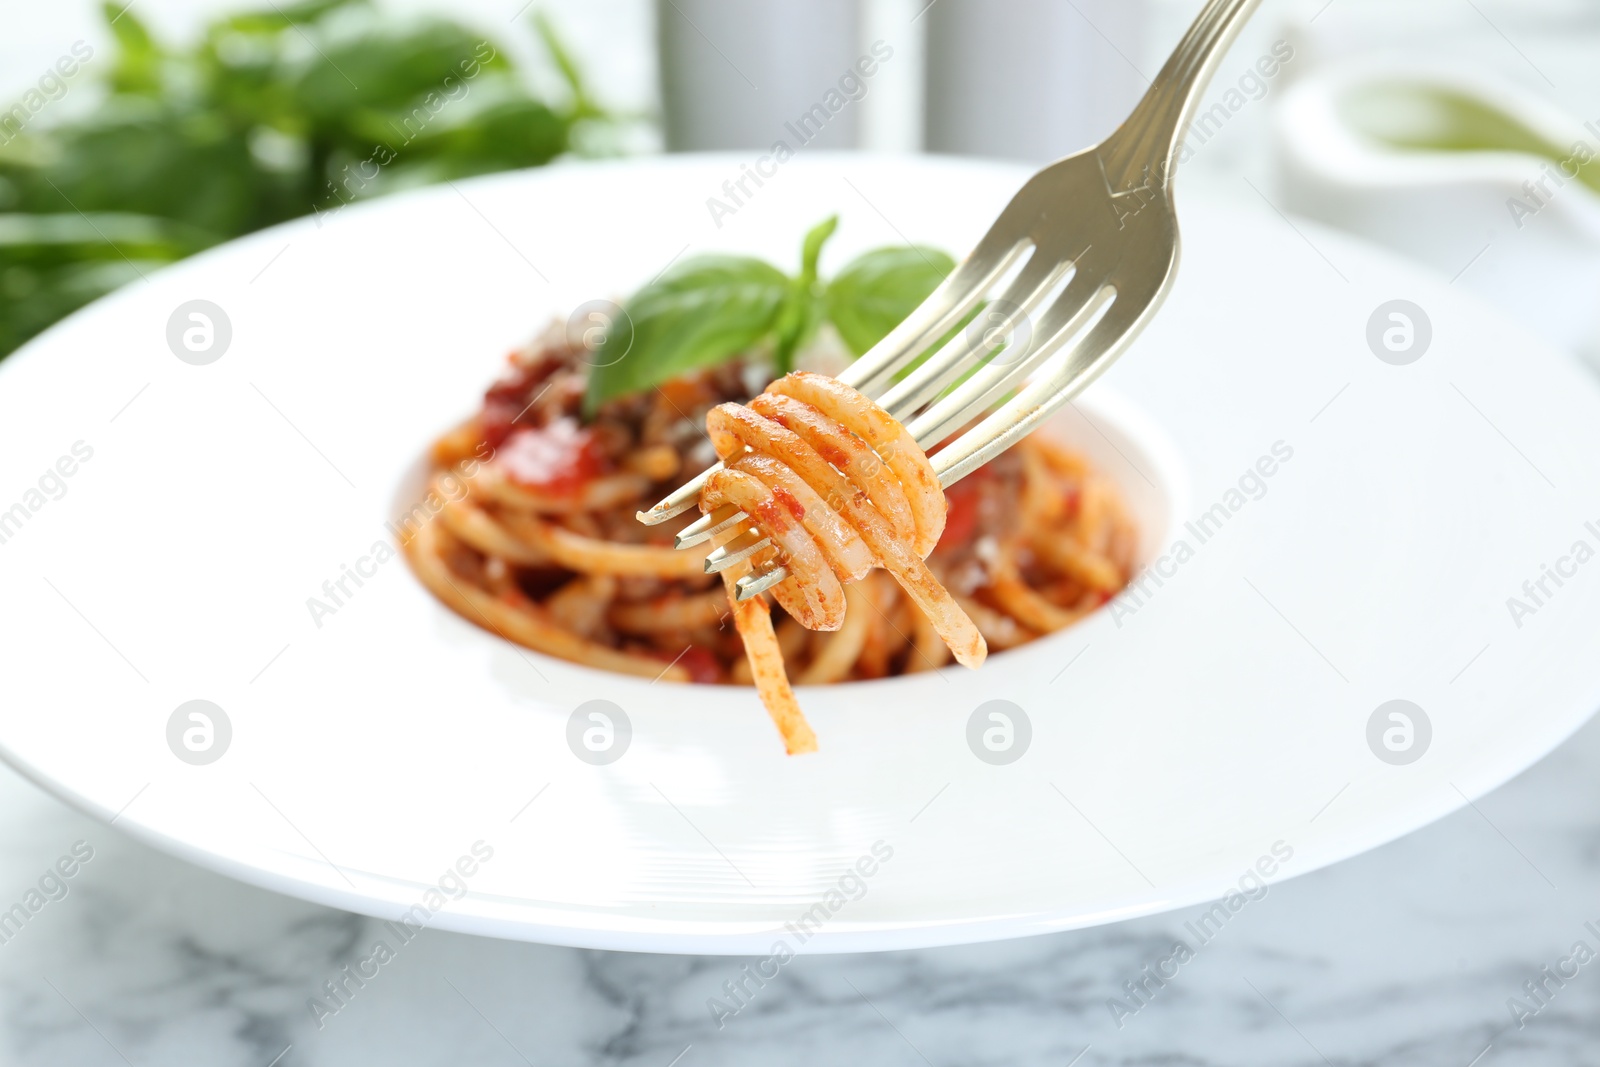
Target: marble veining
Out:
[1411,954]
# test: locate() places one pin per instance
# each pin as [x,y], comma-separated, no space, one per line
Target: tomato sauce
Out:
[961,518]
[789,501]
[558,459]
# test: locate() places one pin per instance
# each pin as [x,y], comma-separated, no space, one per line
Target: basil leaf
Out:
[272,112]
[811,247]
[362,58]
[136,68]
[877,290]
[804,309]
[582,105]
[699,313]
[802,313]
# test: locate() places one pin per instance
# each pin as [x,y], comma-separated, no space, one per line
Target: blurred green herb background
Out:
[270,115]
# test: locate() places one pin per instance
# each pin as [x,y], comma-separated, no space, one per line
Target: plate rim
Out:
[679,935]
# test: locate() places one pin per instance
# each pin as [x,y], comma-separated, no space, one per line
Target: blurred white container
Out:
[1030,79]
[1510,225]
[734,72]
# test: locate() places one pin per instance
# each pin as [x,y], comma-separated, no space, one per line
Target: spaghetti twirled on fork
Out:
[838,487]
[527,529]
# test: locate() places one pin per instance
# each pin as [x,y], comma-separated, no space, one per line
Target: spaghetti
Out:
[527,529]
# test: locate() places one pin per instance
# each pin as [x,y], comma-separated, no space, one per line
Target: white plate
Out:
[1171,747]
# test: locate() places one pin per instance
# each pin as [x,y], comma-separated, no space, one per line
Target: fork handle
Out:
[1143,150]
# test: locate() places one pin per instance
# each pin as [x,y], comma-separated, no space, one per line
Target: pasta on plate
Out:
[529,531]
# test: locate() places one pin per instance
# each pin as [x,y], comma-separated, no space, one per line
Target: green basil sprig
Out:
[875,293]
[710,309]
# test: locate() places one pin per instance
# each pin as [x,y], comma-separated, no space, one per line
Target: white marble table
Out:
[1407,955]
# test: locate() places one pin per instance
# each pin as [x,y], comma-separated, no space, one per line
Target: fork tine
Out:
[708,526]
[946,306]
[1080,365]
[965,350]
[1083,296]
[679,500]
[1082,362]
[757,582]
[1065,314]
[744,546]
